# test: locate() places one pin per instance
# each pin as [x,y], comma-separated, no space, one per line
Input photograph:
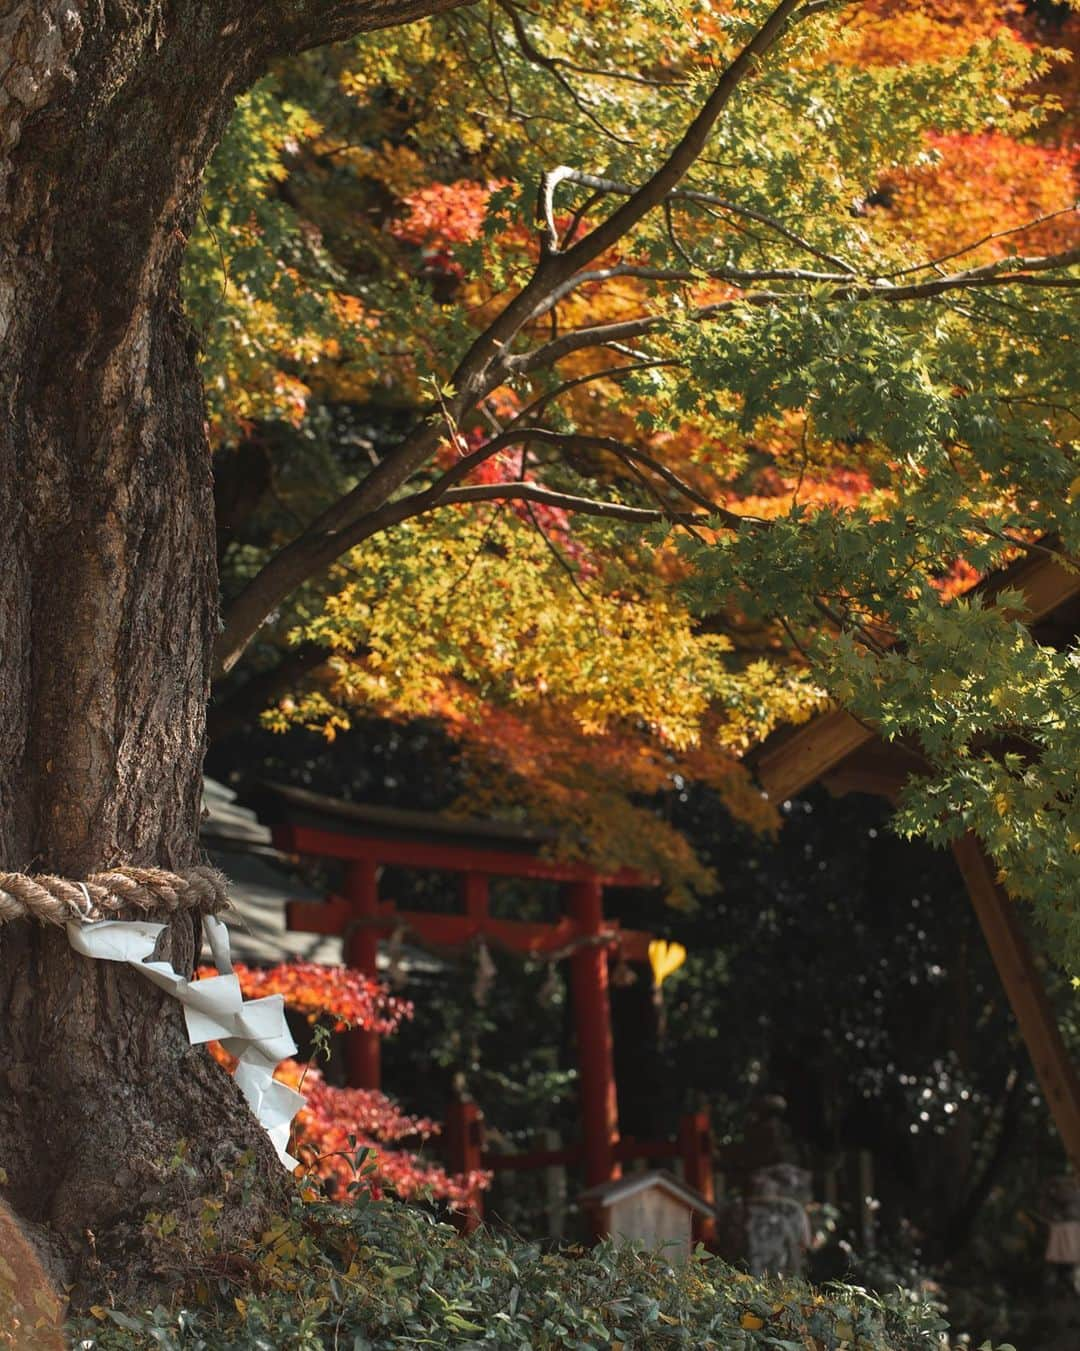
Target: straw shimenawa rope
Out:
[56,900]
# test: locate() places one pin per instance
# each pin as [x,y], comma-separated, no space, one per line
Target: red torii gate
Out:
[370,838]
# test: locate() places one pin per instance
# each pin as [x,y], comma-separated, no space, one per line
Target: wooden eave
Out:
[836,742]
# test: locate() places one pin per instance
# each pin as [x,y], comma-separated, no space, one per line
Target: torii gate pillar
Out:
[360,951]
[592,1025]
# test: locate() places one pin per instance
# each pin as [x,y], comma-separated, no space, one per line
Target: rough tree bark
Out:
[109,110]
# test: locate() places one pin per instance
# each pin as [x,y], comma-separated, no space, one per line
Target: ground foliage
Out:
[372,1275]
[828,343]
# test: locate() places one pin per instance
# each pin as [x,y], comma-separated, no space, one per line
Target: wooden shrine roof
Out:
[262,881]
[282,804]
[303,822]
[622,1188]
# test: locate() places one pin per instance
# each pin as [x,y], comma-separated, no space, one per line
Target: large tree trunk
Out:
[107,612]
[108,112]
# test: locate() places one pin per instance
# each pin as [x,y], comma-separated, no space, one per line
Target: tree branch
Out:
[586,506]
[319,551]
[613,185]
[552,65]
[984,239]
[1003,272]
[326,538]
[541,401]
[736,276]
[488,362]
[612,446]
[242,705]
[335,530]
[618,331]
[556,268]
[296,25]
[681,160]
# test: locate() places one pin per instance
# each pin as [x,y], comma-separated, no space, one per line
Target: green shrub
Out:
[382,1274]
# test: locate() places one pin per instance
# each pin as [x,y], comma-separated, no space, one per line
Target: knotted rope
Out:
[56,900]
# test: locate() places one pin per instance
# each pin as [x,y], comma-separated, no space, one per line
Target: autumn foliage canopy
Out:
[663,472]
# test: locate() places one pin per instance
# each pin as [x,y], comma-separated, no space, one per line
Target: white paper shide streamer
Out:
[253,1030]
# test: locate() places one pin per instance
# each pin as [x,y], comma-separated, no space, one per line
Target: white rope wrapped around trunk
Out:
[253,1030]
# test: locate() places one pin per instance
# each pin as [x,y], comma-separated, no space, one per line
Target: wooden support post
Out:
[592,1024]
[464,1139]
[867,1201]
[695,1148]
[1001,927]
[830,1190]
[361,950]
[554,1187]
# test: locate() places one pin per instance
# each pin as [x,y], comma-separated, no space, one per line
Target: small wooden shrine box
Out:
[652,1208]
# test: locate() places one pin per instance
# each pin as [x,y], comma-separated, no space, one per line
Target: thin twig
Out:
[986,239]
[608,373]
[537,58]
[562,562]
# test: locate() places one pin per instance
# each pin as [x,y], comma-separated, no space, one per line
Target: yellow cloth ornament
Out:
[665,958]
